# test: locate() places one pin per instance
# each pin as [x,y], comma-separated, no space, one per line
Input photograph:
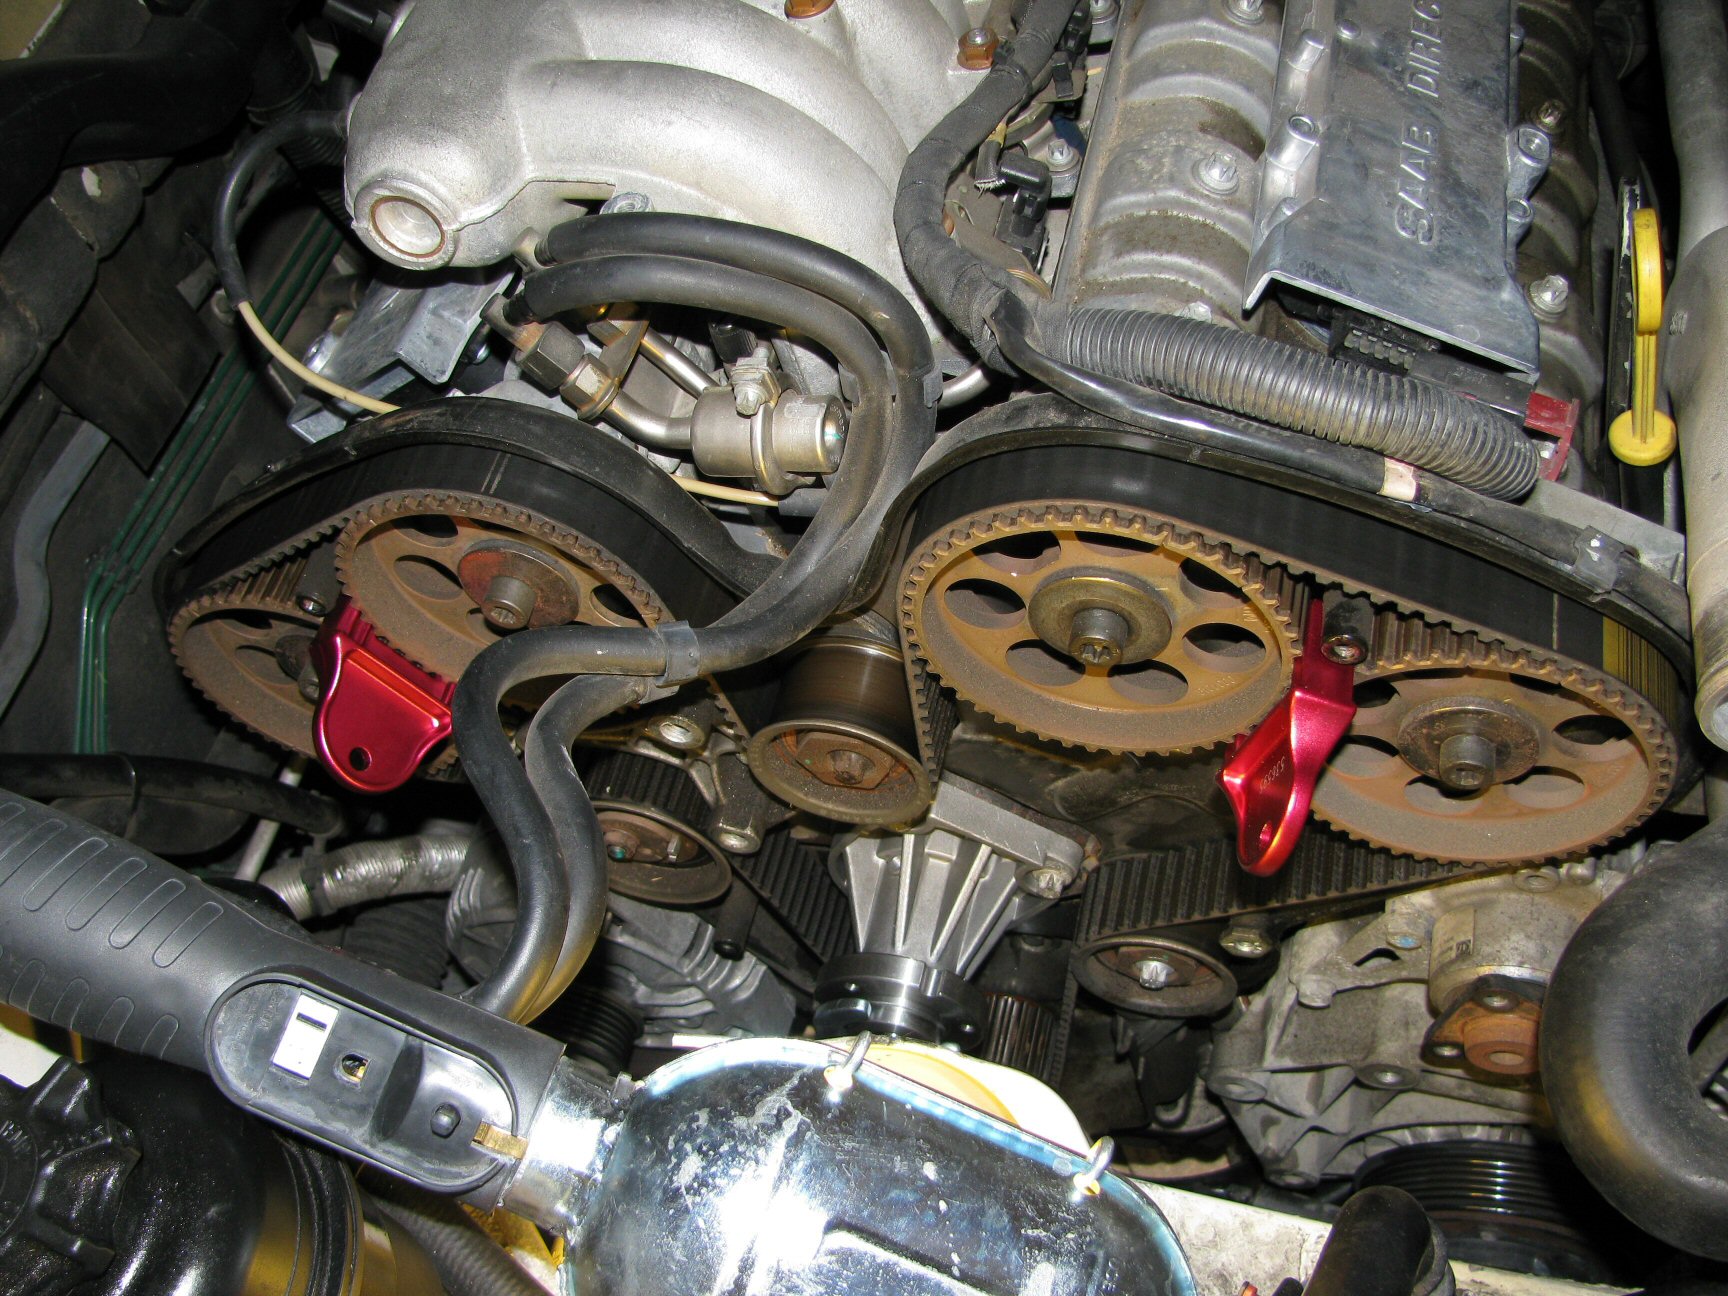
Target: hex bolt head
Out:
[1467,762]
[1062,156]
[1154,973]
[977,49]
[1218,172]
[1551,115]
[1549,293]
[1046,882]
[1097,636]
[1246,11]
[509,602]
[850,767]
[1246,942]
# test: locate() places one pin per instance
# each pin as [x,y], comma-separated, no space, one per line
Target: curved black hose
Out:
[542,811]
[786,257]
[1638,978]
[47,775]
[469,1263]
[1382,1244]
[1336,400]
[225,236]
[959,285]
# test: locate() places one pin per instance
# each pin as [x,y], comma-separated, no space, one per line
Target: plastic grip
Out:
[108,941]
[113,943]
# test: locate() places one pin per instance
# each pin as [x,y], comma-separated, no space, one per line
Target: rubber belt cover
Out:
[101,938]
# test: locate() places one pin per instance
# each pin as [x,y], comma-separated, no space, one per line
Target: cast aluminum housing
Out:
[487,119]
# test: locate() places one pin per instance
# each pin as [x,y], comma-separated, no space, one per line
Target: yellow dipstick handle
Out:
[1644,435]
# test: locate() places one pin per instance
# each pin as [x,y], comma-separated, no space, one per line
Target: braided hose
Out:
[1261,378]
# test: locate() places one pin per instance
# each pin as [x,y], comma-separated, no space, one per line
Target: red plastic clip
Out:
[1557,419]
[379,714]
[1270,775]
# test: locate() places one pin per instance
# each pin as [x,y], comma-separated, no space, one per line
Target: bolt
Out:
[1046,882]
[509,602]
[1196,310]
[1346,650]
[445,1119]
[850,767]
[1097,636]
[1348,30]
[676,731]
[1246,11]
[311,605]
[1246,942]
[807,8]
[620,846]
[1239,1088]
[977,49]
[1551,115]
[630,200]
[1217,171]
[1154,973]
[1388,1077]
[1549,293]
[1101,9]
[1448,1052]
[1062,156]
[737,839]
[748,397]
[1466,762]
[1497,1000]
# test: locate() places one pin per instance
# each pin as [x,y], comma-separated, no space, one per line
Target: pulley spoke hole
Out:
[1037,663]
[1150,683]
[1594,737]
[1432,797]
[1359,757]
[984,604]
[1207,587]
[426,578]
[610,603]
[1225,647]
[1114,546]
[1547,788]
[433,528]
[1374,693]
[1019,554]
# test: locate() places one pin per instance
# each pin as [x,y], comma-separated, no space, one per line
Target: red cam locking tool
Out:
[1269,776]
[378,713]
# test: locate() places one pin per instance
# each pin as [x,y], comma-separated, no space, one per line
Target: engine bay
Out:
[825,646]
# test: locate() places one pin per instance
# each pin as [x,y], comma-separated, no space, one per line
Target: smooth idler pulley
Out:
[1100,627]
[842,742]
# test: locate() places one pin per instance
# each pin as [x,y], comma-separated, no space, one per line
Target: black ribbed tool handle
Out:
[119,946]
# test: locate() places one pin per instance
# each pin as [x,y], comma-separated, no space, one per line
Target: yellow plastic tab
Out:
[1644,435]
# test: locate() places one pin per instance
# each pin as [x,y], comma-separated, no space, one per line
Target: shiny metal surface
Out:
[1164,216]
[1394,179]
[787,1169]
[484,120]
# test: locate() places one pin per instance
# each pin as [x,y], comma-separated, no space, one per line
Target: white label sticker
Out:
[308,1028]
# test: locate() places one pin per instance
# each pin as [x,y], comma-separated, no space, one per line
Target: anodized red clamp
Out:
[1269,776]
[378,713]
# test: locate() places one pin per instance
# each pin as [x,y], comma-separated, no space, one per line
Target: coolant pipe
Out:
[1695,65]
[367,871]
